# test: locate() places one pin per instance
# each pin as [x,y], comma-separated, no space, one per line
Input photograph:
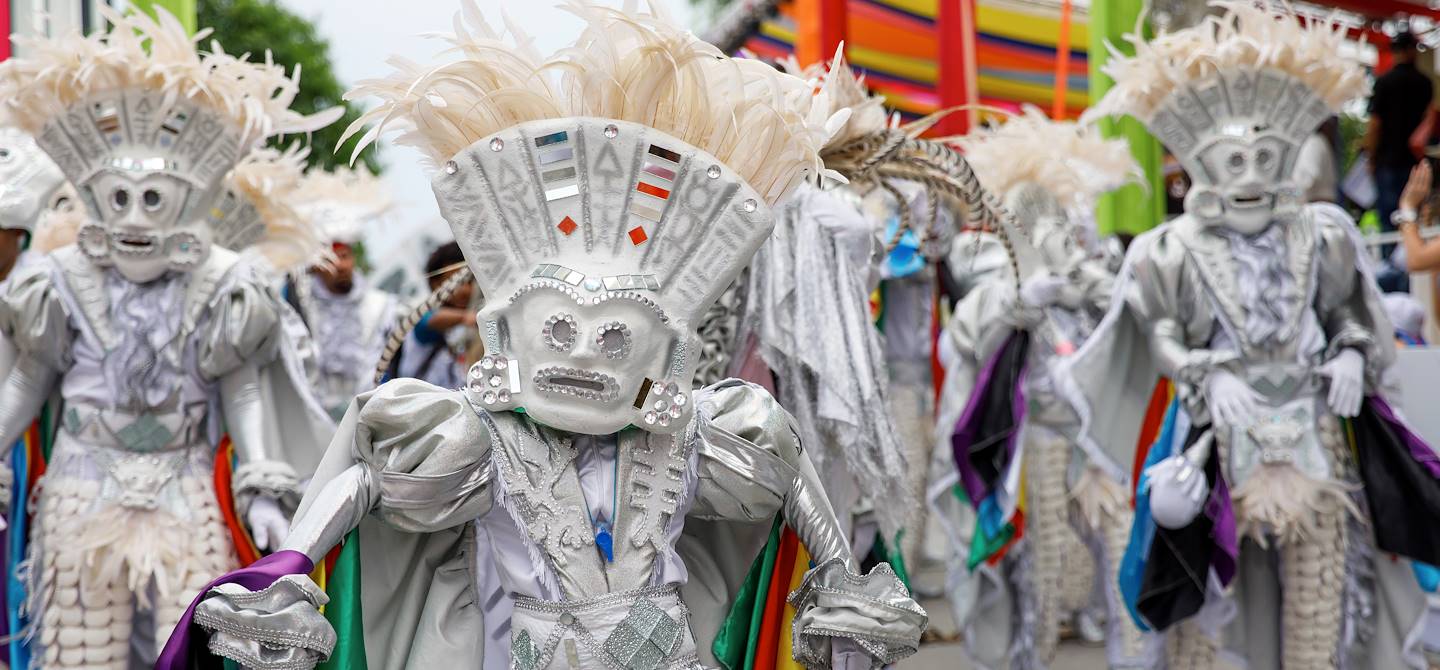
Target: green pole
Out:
[1133,209]
[185,10]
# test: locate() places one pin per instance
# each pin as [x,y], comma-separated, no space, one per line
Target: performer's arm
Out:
[331,513]
[22,396]
[266,487]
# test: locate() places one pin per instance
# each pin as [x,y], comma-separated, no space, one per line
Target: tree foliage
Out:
[255,26]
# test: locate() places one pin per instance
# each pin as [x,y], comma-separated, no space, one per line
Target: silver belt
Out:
[652,634]
[143,432]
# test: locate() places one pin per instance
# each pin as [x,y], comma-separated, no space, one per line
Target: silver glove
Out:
[276,628]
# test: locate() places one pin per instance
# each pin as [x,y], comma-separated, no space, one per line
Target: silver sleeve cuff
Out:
[276,628]
[266,479]
[874,611]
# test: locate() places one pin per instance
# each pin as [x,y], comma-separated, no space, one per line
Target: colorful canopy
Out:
[896,44]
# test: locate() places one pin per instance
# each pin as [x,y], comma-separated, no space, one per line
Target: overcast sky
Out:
[364,33]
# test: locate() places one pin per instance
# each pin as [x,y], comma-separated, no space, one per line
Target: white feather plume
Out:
[842,98]
[626,65]
[341,202]
[154,53]
[1243,36]
[1070,160]
[270,180]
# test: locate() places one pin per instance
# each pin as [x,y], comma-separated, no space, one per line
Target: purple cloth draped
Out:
[1227,543]
[1419,450]
[256,576]
[968,426]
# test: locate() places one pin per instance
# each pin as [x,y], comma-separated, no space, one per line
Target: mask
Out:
[28,180]
[609,242]
[150,171]
[141,233]
[1237,134]
[1244,177]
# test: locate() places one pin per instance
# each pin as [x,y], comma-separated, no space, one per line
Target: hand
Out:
[268,524]
[845,654]
[1042,290]
[279,627]
[1231,401]
[1347,382]
[1178,490]
[1417,188]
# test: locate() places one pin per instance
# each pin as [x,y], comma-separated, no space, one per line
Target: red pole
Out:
[1383,60]
[955,24]
[1062,63]
[5,48]
[821,28]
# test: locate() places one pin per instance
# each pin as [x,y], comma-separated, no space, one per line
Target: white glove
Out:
[1347,382]
[845,654]
[1231,401]
[1042,290]
[267,522]
[1178,488]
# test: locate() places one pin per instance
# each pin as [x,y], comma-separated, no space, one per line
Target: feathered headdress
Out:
[1072,161]
[261,215]
[341,202]
[1250,70]
[141,97]
[870,152]
[625,66]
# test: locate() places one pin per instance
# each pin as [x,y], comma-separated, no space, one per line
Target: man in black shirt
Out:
[1401,99]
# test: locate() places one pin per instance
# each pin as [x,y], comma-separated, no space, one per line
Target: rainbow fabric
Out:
[756,634]
[27,459]
[895,43]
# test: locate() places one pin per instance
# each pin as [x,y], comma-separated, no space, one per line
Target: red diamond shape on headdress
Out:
[638,236]
[567,225]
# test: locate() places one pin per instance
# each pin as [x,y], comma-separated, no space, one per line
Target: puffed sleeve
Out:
[748,452]
[1346,299]
[243,326]
[1163,292]
[428,452]
[751,467]
[34,318]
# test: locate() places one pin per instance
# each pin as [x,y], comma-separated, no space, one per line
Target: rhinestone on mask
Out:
[612,131]
[713,172]
[497,144]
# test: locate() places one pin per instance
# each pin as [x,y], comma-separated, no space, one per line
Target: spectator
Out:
[426,353]
[1398,105]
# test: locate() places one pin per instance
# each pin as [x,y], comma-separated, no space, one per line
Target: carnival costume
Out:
[601,213]
[152,336]
[1280,478]
[1004,429]
[350,328]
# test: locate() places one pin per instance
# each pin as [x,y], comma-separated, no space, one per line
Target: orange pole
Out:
[1062,63]
[820,28]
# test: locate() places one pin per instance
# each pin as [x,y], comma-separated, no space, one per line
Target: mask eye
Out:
[119,199]
[152,199]
[560,332]
[1236,162]
[1264,157]
[614,339]
[5,154]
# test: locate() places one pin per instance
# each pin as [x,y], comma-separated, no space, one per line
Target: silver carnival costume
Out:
[350,326]
[152,336]
[602,212]
[1269,495]
[1051,173]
